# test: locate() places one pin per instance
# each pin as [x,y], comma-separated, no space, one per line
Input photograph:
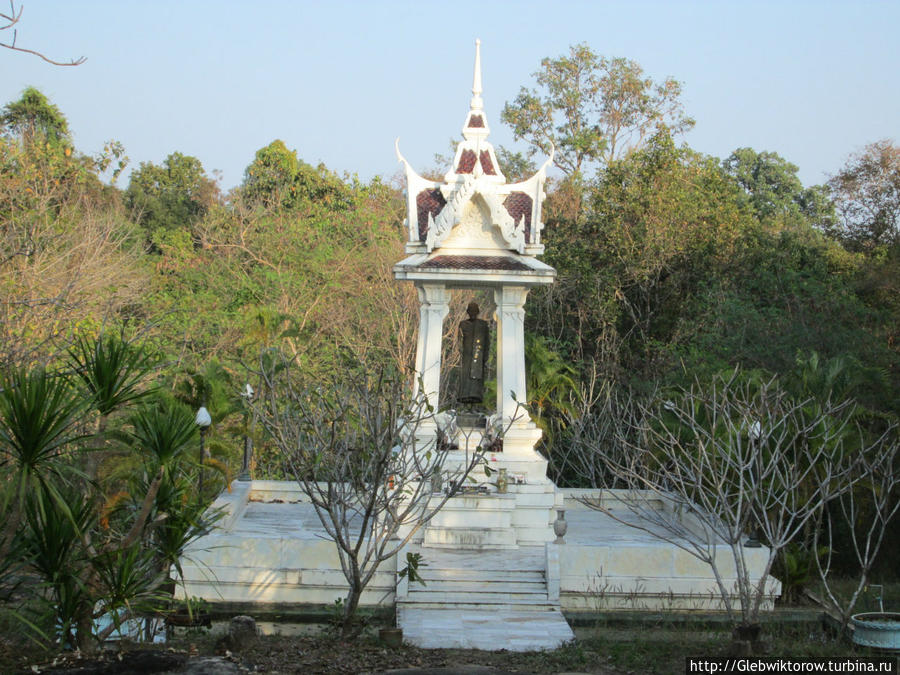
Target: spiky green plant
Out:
[165,434]
[38,416]
[112,370]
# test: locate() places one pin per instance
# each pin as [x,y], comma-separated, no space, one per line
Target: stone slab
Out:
[510,629]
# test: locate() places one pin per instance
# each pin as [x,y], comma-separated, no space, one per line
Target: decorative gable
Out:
[474,211]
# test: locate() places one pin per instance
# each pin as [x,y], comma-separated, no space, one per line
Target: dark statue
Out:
[474,334]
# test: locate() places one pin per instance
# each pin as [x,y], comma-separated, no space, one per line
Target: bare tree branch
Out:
[365,453]
[11,20]
[719,462]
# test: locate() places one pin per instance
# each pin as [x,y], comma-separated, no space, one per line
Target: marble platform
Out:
[270,551]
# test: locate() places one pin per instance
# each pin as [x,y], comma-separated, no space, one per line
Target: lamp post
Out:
[203,420]
[247,395]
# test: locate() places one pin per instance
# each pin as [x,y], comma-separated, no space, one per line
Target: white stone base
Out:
[276,554]
[606,565]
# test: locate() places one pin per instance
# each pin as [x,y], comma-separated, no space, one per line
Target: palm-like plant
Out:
[38,416]
[38,413]
[112,370]
[165,434]
[53,545]
[90,559]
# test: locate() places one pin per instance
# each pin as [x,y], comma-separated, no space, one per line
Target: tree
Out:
[865,511]
[592,109]
[34,119]
[278,179]
[67,251]
[172,196]
[734,458]
[655,226]
[9,20]
[364,451]
[867,191]
[100,548]
[773,190]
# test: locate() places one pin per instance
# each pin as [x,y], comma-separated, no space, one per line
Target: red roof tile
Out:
[518,204]
[428,201]
[474,262]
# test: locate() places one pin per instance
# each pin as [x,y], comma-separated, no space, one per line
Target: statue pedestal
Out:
[523,516]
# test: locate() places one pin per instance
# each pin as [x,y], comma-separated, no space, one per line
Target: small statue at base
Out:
[474,334]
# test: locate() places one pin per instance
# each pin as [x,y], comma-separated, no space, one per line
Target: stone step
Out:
[477,502]
[478,585]
[478,597]
[464,518]
[430,574]
[514,629]
[470,538]
[530,607]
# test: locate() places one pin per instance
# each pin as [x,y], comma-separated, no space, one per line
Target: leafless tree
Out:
[601,417]
[866,510]
[10,20]
[360,447]
[717,463]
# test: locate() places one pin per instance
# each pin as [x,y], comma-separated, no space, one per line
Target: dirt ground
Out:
[310,655]
[605,649]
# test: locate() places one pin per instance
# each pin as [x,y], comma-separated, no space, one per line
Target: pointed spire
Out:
[476,126]
[477,103]
[475,155]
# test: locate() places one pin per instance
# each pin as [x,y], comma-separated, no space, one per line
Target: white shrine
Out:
[474,230]
[495,577]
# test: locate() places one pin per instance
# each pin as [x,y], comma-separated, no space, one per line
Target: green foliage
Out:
[515,165]
[278,179]
[411,570]
[94,553]
[34,119]
[38,417]
[783,297]
[551,384]
[53,548]
[112,370]
[795,568]
[592,109]
[868,193]
[173,196]
[659,223]
[165,433]
[775,194]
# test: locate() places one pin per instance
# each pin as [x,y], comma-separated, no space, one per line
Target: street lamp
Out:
[203,420]
[247,395]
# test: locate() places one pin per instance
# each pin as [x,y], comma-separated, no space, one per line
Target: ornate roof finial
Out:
[476,127]
[477,103]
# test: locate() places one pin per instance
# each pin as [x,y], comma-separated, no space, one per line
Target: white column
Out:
[510,316]
[433,307]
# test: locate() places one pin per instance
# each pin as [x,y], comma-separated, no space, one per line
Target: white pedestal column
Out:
[433,307]
[521,434]
[510,316]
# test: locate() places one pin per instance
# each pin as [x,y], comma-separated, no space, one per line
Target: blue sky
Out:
[339,80]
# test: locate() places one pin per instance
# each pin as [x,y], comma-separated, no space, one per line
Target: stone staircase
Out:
[482,522]
[492,521]
[482,599]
